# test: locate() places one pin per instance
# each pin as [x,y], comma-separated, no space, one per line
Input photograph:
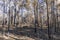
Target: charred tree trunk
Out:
[36,16]
[53,15]
[3,19]
[15,15]
[49,33]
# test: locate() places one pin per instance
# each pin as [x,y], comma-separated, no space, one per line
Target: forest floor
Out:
[26,33]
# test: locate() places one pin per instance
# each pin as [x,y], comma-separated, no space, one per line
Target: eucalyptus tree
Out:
[35,4]
[42,12]
[58,13]
[54,14]
[1,10]
[49,33]
[3,18]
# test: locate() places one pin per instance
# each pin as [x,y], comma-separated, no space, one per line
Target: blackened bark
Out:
[49,33]
[36,16]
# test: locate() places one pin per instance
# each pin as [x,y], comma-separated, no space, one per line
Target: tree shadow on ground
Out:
[30,32]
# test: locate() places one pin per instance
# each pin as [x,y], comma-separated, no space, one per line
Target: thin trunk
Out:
[36,16]
[3,20]
[49,33]
[57,24]
[15,15]
[9,19]
[53,15]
